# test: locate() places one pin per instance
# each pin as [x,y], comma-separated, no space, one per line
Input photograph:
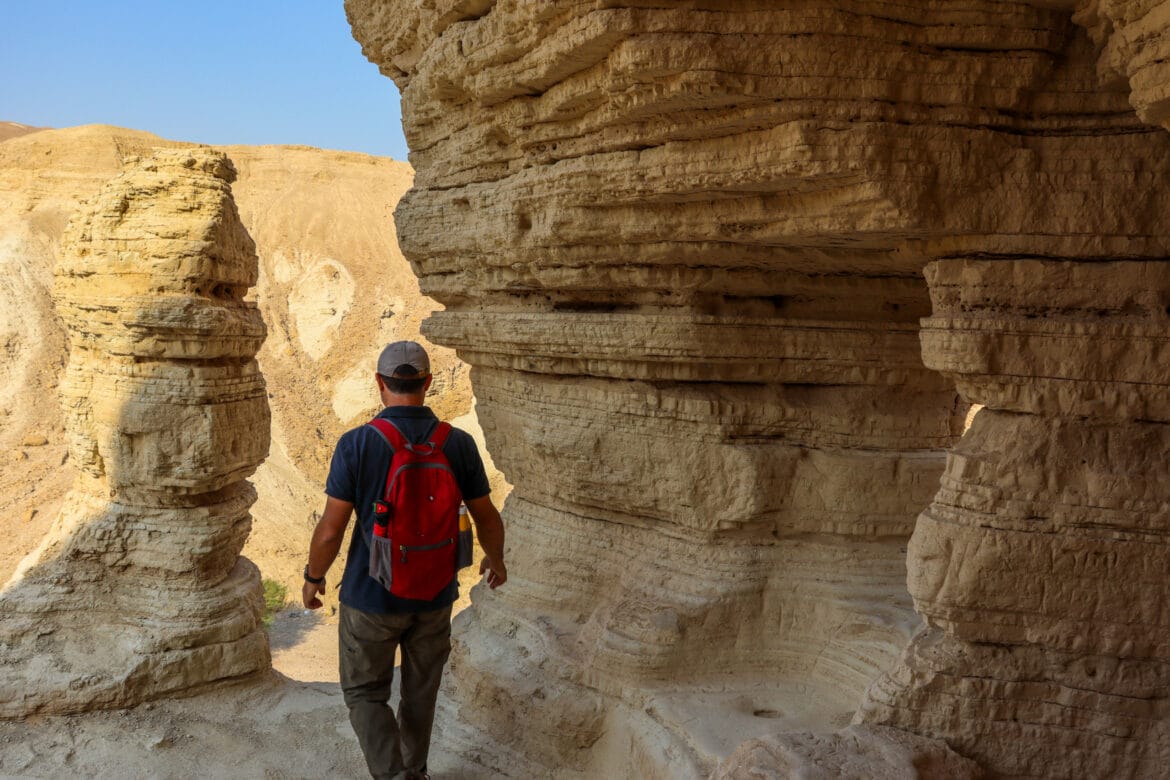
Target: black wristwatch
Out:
[312,579]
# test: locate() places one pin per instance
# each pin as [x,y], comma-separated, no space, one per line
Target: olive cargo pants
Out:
[368,641]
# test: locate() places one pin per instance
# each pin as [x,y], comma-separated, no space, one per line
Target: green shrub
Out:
[275,597]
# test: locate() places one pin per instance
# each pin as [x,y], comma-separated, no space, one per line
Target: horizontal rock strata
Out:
[682,248]
[1040,566]
[760,558]
[1134,40]
[139,590]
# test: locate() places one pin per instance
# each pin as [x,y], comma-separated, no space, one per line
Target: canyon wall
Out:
[1040,566]
[139,589]
[683,247]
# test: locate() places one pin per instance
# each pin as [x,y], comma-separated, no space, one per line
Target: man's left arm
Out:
[325,545]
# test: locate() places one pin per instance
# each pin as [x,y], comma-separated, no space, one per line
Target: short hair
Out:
[403,385]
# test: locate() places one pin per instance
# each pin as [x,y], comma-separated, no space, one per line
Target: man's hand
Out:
[309,594]
[489,530]
[324,545]
[497,573]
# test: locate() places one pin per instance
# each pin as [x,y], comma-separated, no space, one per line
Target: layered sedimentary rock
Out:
[1134,39]
[1040,567]
[682,248]
[139,589]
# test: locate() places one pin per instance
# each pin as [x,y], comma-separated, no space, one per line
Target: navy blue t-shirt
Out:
[358,475]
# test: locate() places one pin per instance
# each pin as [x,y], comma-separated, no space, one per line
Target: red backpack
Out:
[413,552]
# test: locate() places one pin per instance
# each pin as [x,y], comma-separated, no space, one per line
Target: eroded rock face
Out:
[1134,38]
[1040,567]
[139,590]
[682,248]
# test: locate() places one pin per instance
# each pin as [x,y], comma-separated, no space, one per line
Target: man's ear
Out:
[378,379]
[427,384]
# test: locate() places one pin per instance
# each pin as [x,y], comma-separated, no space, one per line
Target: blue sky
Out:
[243,72]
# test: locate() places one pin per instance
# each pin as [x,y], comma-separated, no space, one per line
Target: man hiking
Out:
[400,596]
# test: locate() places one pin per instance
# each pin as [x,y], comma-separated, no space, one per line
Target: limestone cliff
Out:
[139,589]
[1040,565]
[682,247]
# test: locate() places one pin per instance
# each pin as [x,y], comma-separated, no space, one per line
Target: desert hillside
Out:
[333,288]
[14,129]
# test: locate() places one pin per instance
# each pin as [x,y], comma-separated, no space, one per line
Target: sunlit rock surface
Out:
[682,248]
[139,589]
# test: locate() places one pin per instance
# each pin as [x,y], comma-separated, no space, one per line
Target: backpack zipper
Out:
[422,547]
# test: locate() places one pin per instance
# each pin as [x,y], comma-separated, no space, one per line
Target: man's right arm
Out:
[489,529]
[324,546]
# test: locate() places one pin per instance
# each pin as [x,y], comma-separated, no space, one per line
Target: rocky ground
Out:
[291,723]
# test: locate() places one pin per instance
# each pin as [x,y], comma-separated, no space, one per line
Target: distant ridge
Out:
[14,129]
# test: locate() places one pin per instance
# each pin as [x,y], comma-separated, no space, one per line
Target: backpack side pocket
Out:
[381,557]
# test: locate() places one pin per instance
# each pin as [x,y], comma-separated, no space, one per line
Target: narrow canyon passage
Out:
[727,277]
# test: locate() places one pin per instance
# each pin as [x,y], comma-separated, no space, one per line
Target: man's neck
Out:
[390,399]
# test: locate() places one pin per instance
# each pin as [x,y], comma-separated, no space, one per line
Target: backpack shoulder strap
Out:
[389,433]
[439,436]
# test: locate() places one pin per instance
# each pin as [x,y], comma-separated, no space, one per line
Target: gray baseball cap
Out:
[404,358]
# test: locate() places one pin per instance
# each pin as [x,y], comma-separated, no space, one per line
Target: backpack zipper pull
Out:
[403,548]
